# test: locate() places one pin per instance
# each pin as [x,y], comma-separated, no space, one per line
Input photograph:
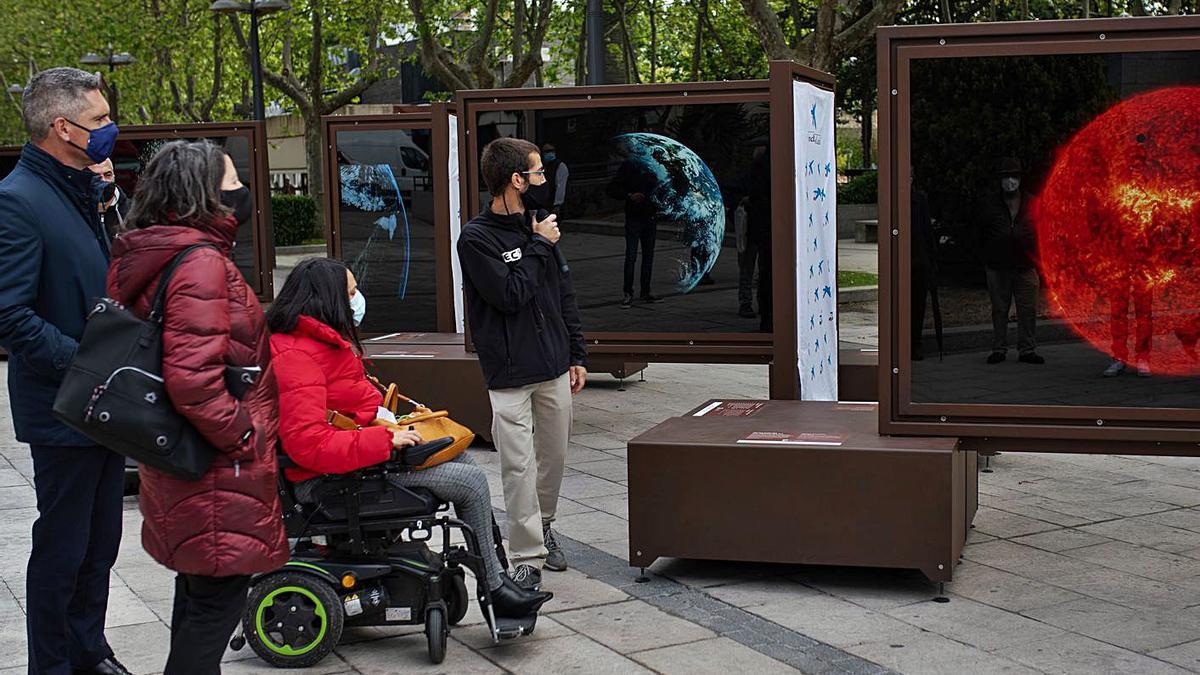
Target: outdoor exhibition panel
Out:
[245,142]
[1055,164]
[671,194]
[391,213]
[798,482]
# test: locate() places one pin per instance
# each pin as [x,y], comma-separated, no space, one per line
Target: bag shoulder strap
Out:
[160,293]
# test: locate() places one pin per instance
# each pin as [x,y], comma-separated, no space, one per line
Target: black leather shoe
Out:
[1032,357]
[513,602]
[995,357]
[109,666]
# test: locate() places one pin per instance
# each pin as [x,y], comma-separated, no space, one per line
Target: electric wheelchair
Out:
[361,558]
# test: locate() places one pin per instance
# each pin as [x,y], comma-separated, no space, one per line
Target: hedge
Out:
[293,219]
[862,189]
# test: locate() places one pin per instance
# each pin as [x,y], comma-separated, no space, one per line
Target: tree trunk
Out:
[1175,7]
[1024,10]
[868,110]
[698,43]
[653,41]
[1087,9]
[518,31]
[581,74]
[945,12]
[314,148]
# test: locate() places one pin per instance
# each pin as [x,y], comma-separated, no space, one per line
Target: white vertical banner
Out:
[816,243]
[455,224]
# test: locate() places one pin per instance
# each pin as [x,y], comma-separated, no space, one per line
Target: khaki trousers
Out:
[531,464]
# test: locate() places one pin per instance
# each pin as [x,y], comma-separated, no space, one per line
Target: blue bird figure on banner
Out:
[811,274]
[816,294]
[813,113]
[828,169]
[810,168]
[810,220]
[815,247]
[821,266]
[812,322]
[828,292]
[819,194]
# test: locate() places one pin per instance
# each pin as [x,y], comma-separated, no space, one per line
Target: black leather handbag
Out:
[114,394]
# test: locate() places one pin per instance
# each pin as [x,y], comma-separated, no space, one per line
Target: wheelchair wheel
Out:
[436,632]
[457,600]
[292,620]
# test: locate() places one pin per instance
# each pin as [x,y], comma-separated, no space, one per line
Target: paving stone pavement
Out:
[1077,564]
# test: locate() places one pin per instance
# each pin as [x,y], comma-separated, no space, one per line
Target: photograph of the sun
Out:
[1118,229]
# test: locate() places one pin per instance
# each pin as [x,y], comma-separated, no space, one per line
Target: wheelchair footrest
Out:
[507,629]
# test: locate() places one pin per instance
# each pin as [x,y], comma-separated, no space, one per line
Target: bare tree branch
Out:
[766,24]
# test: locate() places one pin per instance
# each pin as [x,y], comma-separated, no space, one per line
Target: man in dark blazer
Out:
[53,261]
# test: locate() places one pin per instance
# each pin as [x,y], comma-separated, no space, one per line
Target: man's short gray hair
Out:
[54,93]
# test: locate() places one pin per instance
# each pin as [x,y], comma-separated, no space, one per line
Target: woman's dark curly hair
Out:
[181,184]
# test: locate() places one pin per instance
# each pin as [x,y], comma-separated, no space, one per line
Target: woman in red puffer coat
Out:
[219,530]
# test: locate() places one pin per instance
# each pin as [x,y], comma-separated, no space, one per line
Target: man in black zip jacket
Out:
[526,329]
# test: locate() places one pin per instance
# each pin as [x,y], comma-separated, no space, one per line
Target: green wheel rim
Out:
[269,601]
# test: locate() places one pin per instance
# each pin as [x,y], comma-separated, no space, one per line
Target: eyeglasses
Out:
[541,173]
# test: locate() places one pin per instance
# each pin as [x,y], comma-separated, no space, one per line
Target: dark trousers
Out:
[206,611]
[766,321]
[75,542]
[747,261]
[1007,285]
[643,232]
[921,278]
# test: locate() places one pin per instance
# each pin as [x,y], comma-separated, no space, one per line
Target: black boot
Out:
[513,602]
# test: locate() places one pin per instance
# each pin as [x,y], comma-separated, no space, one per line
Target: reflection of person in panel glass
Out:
[633,185]
[53,260]
[758,233]
[525,326]
[924,265]
[1009,250]
[1134,289]
[551,194]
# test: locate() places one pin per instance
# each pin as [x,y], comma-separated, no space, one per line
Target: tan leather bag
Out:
[430,424]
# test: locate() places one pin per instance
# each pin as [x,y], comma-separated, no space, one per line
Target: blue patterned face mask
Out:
[101,141]
[358,305]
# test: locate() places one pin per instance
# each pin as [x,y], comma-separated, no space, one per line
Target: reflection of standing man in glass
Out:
[553,193]
[758,233]
[1009,248]
[634,185]
[1133,286]
[924,265]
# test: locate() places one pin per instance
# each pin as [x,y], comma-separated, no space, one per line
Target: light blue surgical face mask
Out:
[358,305]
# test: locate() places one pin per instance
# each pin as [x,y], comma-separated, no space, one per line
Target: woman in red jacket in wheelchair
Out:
[317,359]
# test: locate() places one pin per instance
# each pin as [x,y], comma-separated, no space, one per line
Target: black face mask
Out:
[532,200]
[240,201]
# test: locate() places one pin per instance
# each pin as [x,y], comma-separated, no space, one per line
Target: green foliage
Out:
[862,189]
[293,219]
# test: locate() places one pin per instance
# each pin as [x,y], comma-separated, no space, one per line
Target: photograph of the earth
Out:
[686,192]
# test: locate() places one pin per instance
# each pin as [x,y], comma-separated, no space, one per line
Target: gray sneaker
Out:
[556,560]
[527,577]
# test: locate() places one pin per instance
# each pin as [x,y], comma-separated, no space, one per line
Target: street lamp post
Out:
[255,8]
[112,60]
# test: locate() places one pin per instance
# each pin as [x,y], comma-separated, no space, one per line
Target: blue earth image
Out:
[685,191]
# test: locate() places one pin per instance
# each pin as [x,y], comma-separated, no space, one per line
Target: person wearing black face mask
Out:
[114,203]
[526,329]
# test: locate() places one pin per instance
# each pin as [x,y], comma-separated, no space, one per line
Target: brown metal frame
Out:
[434,117]
[256,138]
[1047,428]
[777,348]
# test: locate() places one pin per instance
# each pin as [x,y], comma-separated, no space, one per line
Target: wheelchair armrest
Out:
[419,454]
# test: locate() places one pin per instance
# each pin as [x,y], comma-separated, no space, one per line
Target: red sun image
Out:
[1118,225]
